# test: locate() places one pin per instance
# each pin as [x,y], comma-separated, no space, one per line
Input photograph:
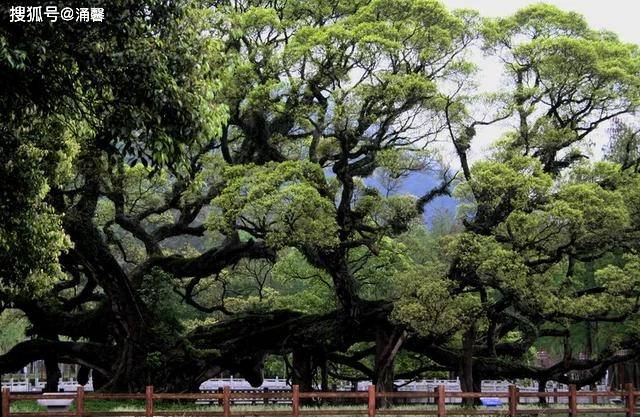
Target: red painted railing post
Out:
[573,401]
[441,397]
[79,401]
[371,403]
[6,400]
[148,401]
[513,401]
[631,400]
[226,401]
[295,400]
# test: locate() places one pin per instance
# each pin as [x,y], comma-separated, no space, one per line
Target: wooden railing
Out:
[297,398]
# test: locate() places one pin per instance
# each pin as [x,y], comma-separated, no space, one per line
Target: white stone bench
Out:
[55,404]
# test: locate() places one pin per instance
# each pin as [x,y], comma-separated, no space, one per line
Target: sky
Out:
[619,16]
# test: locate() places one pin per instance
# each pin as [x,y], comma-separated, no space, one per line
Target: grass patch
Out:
[185,406]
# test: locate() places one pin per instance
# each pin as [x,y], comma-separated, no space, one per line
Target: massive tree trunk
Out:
[302,364]
[302,372]
[388,343]
[542,387]
[467,383]
[83,375]
[130,321]
[129,318]
[53,373]
[324,374]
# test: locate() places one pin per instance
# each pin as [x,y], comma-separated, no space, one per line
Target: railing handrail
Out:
[225,399]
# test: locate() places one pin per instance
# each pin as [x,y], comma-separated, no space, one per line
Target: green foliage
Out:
[14,326]
[564,75]
[31,238]
[497,188]
[624,146]
[156,291]
[302,287]
[428,306]
[148,96]
[286,203]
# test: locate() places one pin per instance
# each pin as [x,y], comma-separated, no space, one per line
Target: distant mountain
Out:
[417,184]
